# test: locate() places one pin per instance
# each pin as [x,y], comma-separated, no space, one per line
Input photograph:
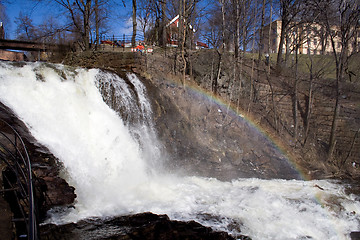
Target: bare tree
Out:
[3,15]
[340,19]
[213,35]
[152,13]
[81,14]
[186,9]
[133,38]
[252,87]
[163,23]
[316,71]
[100,15]
[261,32]
[97,22]
[50,31]
[289,10]
[348,17]
[223,46]
[25,30]
[144,17]
[79,11]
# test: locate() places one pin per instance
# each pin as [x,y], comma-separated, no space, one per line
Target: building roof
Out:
[176,19]
[173,20]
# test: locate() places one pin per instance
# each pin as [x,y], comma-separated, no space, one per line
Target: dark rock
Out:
[50,189]
[355,236]
[207,139]
[5,218]
[139,226]
[57,190]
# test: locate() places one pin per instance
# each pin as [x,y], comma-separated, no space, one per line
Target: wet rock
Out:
[355,236]
[140,226]
[58,191]
[207,139]
[50,189]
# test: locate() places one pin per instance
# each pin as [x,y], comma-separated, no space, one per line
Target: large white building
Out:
[311,38]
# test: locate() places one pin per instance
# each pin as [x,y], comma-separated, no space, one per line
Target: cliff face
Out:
[272,107]
[50,189]
[207,138]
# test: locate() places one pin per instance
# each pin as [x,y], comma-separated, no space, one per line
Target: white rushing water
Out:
[113,164]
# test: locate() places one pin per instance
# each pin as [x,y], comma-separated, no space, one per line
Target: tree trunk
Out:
[97,23]
[237,74]
[261,40]
[295,97]
[252,88]
[274,107]
[216,82]
[334,124]
[222,2]
[133,38]
[336,112]
[309,102]
[237,30]
[220,53]
[163,17]
[86,21]
[282,39]
[182,36]
[339,63]
[269,38]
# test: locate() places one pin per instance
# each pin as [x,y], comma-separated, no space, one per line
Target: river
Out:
[115,162]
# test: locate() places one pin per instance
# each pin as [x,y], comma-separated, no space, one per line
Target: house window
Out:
[315,41]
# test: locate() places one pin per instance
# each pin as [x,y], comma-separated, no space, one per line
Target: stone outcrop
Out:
[139,226]
[50,189]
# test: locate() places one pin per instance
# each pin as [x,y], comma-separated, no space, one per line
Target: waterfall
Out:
[100,127]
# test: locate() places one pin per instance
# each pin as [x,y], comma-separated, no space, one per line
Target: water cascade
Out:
[100,127]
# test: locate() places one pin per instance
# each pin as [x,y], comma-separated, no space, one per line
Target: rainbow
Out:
[193,89]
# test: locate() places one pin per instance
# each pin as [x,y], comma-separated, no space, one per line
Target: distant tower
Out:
[2,32]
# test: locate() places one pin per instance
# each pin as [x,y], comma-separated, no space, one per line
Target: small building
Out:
[172,34]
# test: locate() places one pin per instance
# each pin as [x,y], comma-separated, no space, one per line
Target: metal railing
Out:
[122,38]
[18,182]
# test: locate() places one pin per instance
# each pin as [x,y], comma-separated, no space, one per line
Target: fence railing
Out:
[17,182]
[124,39]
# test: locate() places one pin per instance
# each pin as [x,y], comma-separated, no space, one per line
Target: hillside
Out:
[271,108]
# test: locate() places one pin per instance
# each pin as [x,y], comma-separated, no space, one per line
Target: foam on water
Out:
[112,163]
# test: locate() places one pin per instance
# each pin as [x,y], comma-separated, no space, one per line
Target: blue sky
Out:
[39,11]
